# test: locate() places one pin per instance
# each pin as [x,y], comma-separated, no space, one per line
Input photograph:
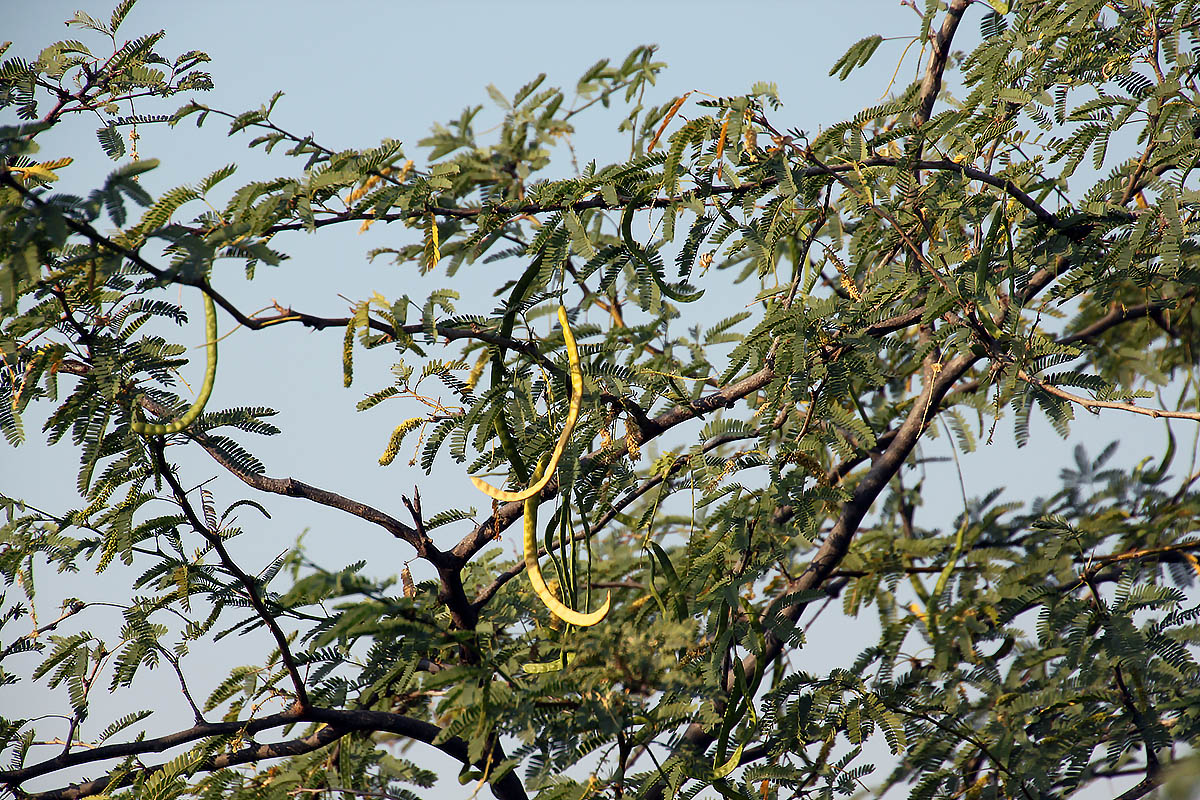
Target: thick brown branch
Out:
[896,323]
[837,542]
[931,86]
[290,487]
[248,754]
[75,758]
[1120,314]
[1143,788]
[452,593]
[337,723]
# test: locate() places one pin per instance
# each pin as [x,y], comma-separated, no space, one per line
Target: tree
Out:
[920,269]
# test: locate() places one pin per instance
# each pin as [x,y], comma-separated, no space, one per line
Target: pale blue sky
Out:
[355,72]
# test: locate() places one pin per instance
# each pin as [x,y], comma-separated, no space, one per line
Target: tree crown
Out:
[932,264]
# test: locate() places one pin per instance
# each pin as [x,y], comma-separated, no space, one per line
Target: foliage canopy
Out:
[934,263]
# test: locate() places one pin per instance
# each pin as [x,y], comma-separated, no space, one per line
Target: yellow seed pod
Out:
[568,426]
[558,609]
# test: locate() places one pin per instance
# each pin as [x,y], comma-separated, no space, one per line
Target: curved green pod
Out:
[210,375]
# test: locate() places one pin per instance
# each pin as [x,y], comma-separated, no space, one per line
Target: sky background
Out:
[354,73]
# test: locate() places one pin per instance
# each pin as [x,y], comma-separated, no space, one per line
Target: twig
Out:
[1119,314]
[1094,406]
[1134,555]
[173,660]
[1143,788]
[73,608]
[248,583]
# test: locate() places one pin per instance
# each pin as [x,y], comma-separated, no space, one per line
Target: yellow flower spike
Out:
[563,438]
[433,247]
[568,615]
[210,375]
[397,438]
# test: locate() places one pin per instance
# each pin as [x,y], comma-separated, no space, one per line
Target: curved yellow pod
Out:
[210,376]
[568,615]
[568,426]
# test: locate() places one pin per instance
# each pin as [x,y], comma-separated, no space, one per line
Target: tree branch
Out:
[248,583]
[597,202]
[1094,406]
[1120,314]
[336,724]
[931,86]
[1103,562]
[448,332]
[837,542]
[290,487]
[1143,788]
[453,594]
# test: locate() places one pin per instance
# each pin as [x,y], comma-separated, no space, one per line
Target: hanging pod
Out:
[568,426]
[193,413]
[568,615]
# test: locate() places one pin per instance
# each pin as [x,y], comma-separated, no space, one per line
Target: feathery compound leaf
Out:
[857,56]
[10,419]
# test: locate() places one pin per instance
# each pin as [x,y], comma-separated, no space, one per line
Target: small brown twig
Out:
[1094,406]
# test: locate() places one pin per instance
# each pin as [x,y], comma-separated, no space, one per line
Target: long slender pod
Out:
[568,426]
[631,244]
[507,444]
[210,375]
[568,615]
[680,292]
